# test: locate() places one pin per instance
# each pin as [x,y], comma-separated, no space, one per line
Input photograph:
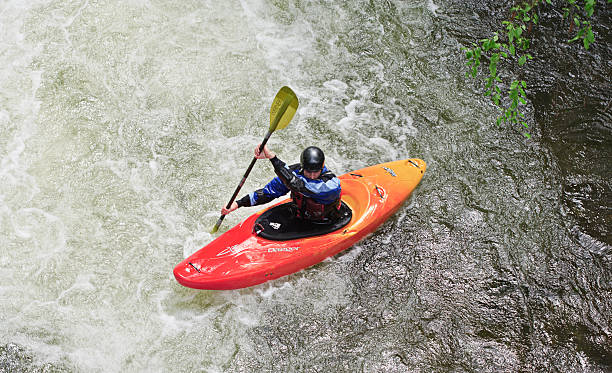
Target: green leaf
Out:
[522,60]
[525,44]
[588,7]
[589,35]
[589,12]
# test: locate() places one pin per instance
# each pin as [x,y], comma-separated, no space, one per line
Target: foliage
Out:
[584,26]
[512,44]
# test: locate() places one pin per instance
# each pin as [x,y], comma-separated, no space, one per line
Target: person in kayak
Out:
[315,190]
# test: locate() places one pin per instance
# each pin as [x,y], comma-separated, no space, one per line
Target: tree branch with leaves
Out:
[512,45]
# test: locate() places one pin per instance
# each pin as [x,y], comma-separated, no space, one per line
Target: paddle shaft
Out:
[274,123]
[246,174]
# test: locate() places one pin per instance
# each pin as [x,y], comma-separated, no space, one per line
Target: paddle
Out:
[283,108]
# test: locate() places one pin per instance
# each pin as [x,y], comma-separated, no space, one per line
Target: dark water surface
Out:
[125,125]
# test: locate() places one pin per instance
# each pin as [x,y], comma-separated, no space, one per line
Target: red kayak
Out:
[268,245]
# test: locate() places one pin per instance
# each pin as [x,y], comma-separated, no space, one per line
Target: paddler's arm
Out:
[288,177]
[242,202]
[274,189]
[326,189]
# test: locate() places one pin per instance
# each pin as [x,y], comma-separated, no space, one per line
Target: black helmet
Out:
[312,159]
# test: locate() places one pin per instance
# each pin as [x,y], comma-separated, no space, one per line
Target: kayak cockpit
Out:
[280,224]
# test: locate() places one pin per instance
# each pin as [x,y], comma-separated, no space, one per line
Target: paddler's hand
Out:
[266,153]
[225,211]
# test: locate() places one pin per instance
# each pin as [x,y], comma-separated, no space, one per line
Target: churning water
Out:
[125,126]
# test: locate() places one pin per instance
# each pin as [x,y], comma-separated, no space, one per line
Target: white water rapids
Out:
[124,126]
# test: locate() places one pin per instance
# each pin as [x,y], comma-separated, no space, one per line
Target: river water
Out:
[124,127]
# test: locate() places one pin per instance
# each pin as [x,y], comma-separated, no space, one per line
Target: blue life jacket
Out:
[314,199]
[318,207]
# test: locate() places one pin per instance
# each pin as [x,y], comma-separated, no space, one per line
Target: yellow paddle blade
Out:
[283,108]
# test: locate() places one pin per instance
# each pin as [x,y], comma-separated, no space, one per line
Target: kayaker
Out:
[315,190]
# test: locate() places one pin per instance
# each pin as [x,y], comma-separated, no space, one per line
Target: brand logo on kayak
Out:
[390,171]
[232,250]
[281,249]
[275,225]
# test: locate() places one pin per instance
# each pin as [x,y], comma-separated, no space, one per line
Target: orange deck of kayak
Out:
[239,258]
